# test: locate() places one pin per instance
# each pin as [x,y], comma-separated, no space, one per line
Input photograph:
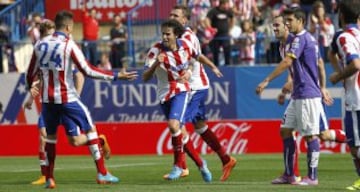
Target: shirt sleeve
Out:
[296,48]
[347,43]
[151,57]
[79,59]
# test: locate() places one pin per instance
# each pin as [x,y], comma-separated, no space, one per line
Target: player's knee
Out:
[200,124]
[73,142]
[310,138]
[324,136]
[286,133]
[174,125]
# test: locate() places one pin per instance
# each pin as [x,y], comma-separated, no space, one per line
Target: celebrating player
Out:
[169,60]
[53,58]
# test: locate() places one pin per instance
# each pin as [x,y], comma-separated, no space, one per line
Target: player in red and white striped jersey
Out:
[348,50]
[53,58]
[199,83]
[169,60]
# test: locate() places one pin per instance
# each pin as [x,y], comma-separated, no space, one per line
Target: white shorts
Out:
[307,116]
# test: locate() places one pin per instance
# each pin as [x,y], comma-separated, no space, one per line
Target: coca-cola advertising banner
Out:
[106,9]
[238,137]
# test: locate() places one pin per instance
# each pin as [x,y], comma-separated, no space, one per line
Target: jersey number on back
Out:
[55,58]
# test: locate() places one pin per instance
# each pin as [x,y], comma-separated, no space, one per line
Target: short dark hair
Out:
[223,2]
[297,12]
[350,10]
[185,10]
[176,25]
[278,16]
[61,18]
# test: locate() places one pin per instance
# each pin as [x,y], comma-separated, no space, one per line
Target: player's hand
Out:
[161,58]
[217,72]
[185,77]
[287,88]
[335,77]
[281,98]
[34,91]
[28,103]
[314,19]
[327,99]
[260,88]
[131,75]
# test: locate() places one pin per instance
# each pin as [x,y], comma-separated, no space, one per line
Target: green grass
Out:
[144,173]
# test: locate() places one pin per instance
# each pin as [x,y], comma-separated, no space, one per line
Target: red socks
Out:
[179,155]
[340,136]
[94,147]
[50,149]
[42,159]
[190,150]
[210,138]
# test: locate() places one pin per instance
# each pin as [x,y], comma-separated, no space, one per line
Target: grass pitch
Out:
[144,173]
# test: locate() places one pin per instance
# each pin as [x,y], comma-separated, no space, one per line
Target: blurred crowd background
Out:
[123,39]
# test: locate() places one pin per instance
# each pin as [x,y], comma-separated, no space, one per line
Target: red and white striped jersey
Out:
[247,50]
[246,8]
[348,44]
[175,64]
[53,57]
[199,79]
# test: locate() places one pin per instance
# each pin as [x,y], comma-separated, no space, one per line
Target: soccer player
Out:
[348,44]
[285,38]
[305,111]
[199,83]
[169,60]
[47,28]
[53,58]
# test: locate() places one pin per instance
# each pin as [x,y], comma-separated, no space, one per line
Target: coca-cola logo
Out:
[230,135]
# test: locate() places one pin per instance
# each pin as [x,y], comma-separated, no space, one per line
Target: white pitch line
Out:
[83,167]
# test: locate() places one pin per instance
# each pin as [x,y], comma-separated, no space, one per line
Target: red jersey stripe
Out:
[63,89]
[51,87]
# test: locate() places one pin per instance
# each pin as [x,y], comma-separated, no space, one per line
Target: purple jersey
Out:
[304,52]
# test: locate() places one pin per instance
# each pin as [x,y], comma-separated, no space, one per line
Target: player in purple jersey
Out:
[348,51]
[285,38]
[305,111]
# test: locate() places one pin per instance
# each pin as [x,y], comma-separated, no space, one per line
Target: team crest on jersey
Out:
[296,43]
[151,55]
[184,54]
[287,47]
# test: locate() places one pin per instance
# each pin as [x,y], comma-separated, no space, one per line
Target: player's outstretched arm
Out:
[334,60]
[283,65]
[124,75]
[203,59]
[348,71]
